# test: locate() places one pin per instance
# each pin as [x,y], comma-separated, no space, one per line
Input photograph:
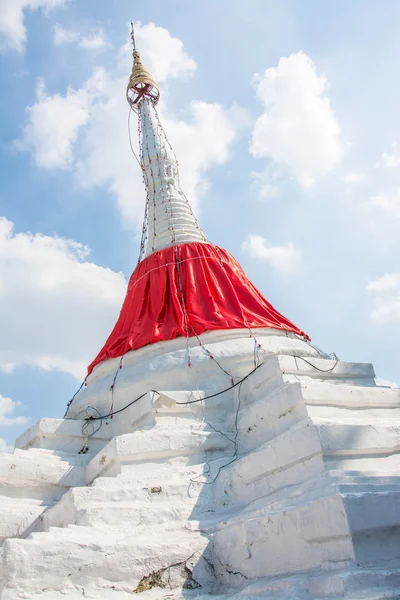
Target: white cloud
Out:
[4,447]
[265,183]
[56,307]
[164,55]
[298,127]
[385,382]
[352,179]
[12,28]
[7,408]
[64,36]
[203,141]
[386,297]
[98,113]
[200,142]
[283,258]
[389,203]
[391,159]
[53,123]
[94,41]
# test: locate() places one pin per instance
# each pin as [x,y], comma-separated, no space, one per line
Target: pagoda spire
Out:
[182,286]
[169,218]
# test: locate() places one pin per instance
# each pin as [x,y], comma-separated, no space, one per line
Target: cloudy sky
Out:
[285,119]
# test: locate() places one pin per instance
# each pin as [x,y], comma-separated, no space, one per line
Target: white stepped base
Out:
[32,481]
[308,509]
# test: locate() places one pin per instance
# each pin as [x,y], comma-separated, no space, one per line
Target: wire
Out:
[314,367]
[88,422]
[116,412]
[231,387]
[73,397]
[234,441]
[113,382]
[222,391]
[130,138]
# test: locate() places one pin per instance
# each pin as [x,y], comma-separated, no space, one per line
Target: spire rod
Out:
[141,84]
[133,37]
[169,219]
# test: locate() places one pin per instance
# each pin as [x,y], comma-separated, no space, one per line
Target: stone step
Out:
[271,414]
[258,542]
[365,476]
[31,481]
[361,488]
[153,445]
[366,525]
[382,436]
[162,491]
[18,515]
[369,510]
[60,434]
[81,555]
[287,460]
[374,507]
[48,454]
[142,517]
[147,474]
[359,399]
[26,468]
[268,417]
[282,369]
[370,474]
[383,462]
[326,483]
[93,505]
[352,584]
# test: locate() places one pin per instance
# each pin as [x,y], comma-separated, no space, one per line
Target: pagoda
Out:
[212,449]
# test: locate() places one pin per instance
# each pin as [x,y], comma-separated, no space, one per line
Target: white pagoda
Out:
[212,450]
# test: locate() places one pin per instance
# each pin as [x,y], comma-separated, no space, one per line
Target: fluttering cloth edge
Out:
[185,290]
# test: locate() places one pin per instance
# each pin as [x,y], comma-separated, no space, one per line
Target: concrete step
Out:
[304,536]
[154,445]
[363,487]
[61,435]
[367,511]
[175,471]
[353,584]
[82,555]
[17,516]
[286,461]
[52,454]
[106,507]
[105,516]
[26,468]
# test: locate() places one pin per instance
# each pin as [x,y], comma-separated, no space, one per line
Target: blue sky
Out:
[284,116]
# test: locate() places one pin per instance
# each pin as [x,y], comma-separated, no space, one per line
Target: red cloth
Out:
[202,279]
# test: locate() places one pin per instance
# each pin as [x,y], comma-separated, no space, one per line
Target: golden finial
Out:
[140,82]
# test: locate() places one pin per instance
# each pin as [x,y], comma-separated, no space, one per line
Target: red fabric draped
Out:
[185,290]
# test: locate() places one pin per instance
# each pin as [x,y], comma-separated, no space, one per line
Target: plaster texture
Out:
[164,365]
[286,486]
[169,217]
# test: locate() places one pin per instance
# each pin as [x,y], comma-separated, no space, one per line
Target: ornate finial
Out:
[140,82]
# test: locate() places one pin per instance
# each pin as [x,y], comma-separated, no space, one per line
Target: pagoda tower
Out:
[211,450]
[183,285]
[185,293]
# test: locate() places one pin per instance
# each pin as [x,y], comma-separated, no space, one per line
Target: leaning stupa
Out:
[212,450]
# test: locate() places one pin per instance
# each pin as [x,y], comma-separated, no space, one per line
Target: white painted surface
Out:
[170,217]
[165,366]
[308,508]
